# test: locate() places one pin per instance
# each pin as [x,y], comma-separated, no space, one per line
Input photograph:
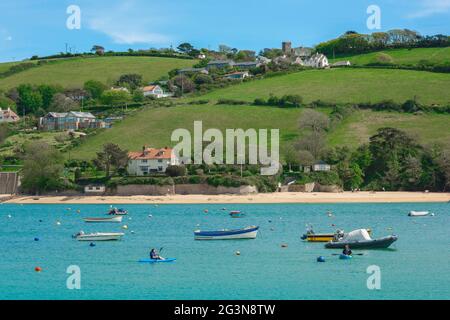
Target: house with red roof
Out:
[150,160]
[154,91]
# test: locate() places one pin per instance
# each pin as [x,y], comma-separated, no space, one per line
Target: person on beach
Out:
[347,251]
[155,255]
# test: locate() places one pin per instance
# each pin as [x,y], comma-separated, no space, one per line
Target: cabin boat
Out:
[225,234]
[360,239]
[109,219]
[98,236]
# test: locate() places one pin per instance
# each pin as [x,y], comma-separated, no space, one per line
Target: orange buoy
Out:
[38,269]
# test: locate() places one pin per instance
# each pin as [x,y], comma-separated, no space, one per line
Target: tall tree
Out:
[42,168]
[111,157]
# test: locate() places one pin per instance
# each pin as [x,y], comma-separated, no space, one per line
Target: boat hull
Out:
[418,213]
[247,233]
[117,219]
[100,237]
[380,243]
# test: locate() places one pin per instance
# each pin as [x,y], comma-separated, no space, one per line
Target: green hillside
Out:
[74,72]
[402,56]
[347,85]
[154,126]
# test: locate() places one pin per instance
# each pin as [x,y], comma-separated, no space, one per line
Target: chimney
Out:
[144,150]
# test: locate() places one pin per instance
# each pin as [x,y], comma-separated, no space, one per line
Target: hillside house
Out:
[321,166]
[193,70]
[70,121]
[154,91]
[246,65]
[150,160]
[8,115]
[237,75]
[219,64]
[317,60]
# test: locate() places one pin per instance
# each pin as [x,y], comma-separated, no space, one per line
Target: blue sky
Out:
[29,27]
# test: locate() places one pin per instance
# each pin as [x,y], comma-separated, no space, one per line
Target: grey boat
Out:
[379,243]
[360,239]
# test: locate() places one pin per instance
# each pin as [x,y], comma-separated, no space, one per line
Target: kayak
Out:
[157,260]
[344,257]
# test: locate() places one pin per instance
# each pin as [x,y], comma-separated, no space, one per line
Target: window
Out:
[160,160]
[144,161]
[160,168]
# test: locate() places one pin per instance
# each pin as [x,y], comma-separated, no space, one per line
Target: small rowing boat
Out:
[236,214]
[311,236]
[344,257]
[157,260]
[418,213]
[112,219]
[98,236]
[225,234]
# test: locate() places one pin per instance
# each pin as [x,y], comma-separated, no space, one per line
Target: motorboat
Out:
[109,219]
[97,236]
[226,234]
[118,212]
[418,213]
[360,239]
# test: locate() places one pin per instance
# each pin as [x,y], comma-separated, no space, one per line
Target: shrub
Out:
[176,171]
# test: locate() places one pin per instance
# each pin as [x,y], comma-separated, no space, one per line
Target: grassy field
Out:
[402,56]
[347,85]
[154,126]
[74,72]
[426,128]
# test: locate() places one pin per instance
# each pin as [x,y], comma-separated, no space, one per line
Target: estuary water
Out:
[417,266]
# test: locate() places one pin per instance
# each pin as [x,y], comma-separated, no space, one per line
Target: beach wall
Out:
[135,189]
[314,187]
[9,182]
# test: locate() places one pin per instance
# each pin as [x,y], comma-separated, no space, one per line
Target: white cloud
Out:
[431,7]
[128,23]
[8,38]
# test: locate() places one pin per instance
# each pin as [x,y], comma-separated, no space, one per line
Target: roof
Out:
[321,162]
[246,63]
[150,154]
[237,73]
[150,88]
[221,62]
[80,114]
[192,70]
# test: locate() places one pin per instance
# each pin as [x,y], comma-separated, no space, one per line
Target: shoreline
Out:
[260,198]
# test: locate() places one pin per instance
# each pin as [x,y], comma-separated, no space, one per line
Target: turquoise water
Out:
[416,268]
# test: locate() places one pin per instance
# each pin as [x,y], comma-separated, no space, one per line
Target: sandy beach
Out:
[280,197]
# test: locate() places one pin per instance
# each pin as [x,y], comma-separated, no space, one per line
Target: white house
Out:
[95,189]
[317,60]
[8,115]
[237,75]
[150,160]
[321,166]
[154,91]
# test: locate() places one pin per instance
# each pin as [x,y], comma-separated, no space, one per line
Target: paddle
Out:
[353,254]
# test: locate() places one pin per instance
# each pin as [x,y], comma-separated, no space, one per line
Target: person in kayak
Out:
[155,255]
[347,251]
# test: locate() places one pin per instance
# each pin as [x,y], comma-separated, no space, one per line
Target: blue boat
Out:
[225,234]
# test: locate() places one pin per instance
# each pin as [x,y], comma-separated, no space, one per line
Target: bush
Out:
[176,171]
[231,102]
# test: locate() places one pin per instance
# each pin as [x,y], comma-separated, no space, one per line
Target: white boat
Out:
[112,219]
[418,213]
[225,234]
[98,236]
